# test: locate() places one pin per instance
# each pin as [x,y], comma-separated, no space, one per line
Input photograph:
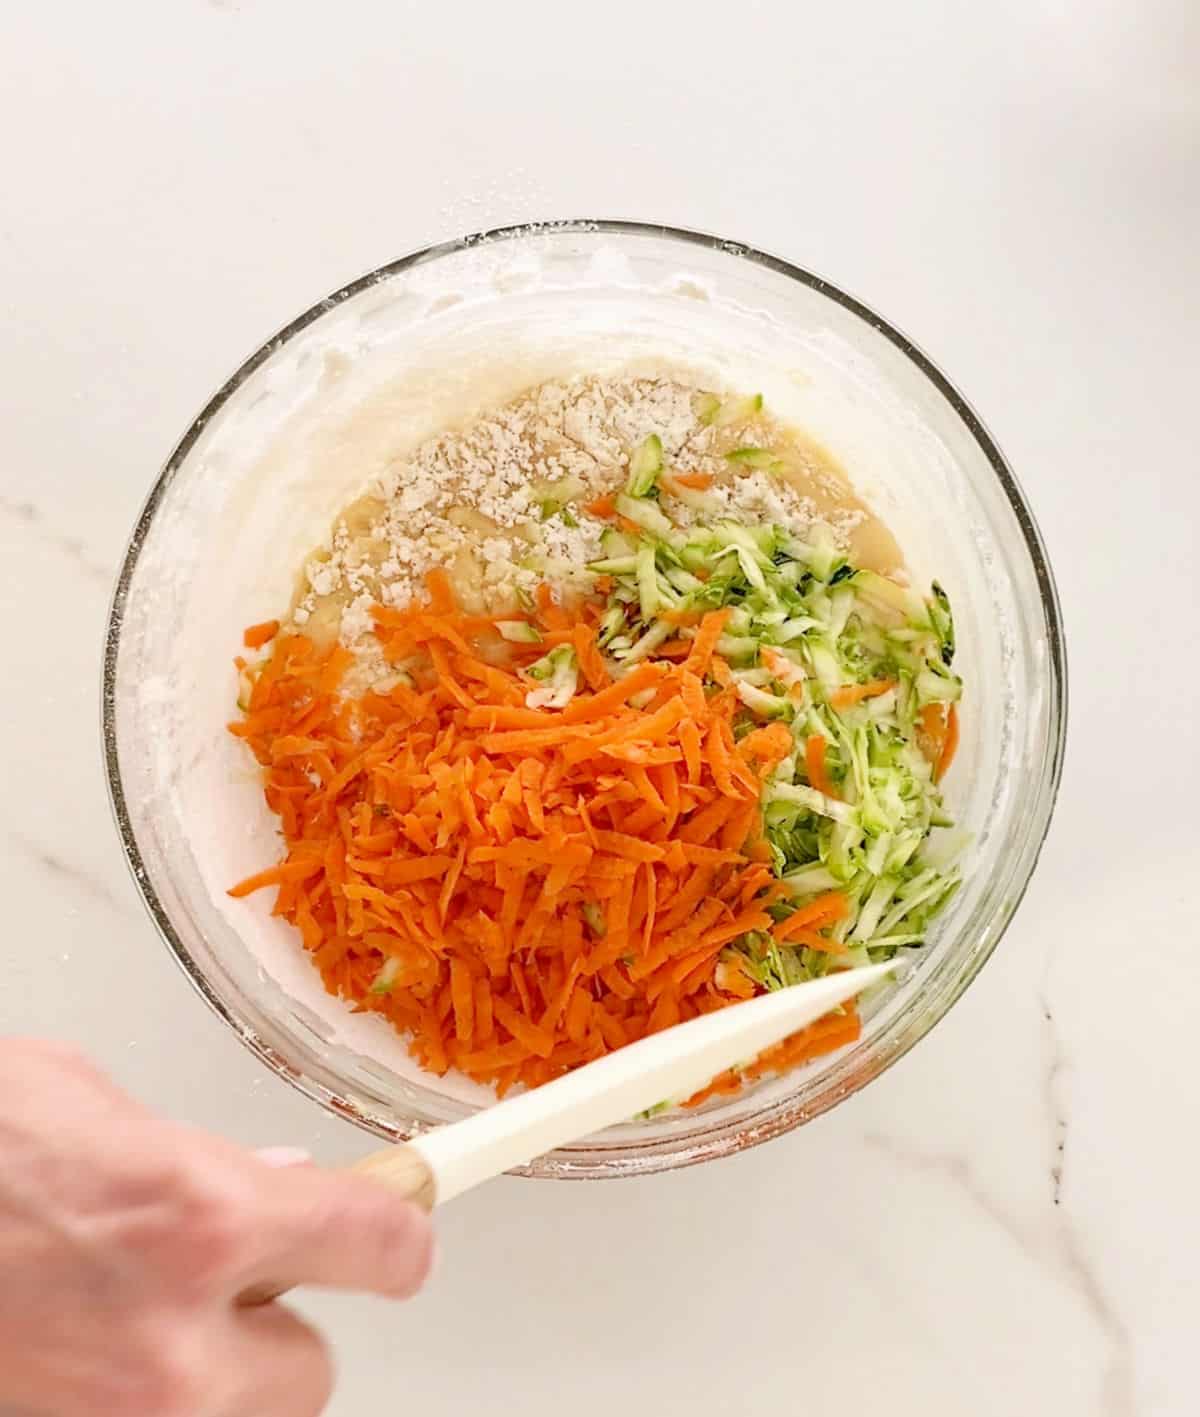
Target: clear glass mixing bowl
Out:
[295,434]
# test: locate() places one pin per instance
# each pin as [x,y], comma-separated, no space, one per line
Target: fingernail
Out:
[283,1155]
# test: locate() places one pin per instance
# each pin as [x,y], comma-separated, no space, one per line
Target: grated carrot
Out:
[591,662]
[949,744]
[705,642]
[824,910]
[258,635]
[815,747]
[555,884]
[850,694]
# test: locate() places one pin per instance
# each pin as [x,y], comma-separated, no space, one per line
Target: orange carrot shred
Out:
[680,617]
[949,744]
[542,885]
[823,910]
[768,746]
[814,761]
[437,582]
[591,662]
[850,694]
[705,642]
[258,635]
[275,876]
[462,992]
[538,1040]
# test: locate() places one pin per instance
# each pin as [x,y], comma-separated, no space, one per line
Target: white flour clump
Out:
[501,503]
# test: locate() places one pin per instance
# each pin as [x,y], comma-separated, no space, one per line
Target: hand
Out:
[125,1242]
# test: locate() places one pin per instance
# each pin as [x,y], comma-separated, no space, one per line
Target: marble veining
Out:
[86,888]
[1053,1240]
[31,521]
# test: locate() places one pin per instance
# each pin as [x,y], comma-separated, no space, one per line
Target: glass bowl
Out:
[304,423]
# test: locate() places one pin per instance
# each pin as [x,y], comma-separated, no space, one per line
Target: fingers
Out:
[45,1064]
[283,1367]
[341,1232]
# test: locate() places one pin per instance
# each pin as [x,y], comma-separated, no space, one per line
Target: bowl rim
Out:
[571,1162]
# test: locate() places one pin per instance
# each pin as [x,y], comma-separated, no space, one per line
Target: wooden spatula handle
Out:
[404,1170]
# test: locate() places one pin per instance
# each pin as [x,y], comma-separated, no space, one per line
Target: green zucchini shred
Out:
[804,622]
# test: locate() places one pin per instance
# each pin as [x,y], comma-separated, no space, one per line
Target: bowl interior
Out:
[355,383]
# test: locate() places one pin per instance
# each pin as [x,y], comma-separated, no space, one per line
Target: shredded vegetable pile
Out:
[551,834]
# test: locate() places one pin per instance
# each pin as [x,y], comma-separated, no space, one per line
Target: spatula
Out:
[670,1065]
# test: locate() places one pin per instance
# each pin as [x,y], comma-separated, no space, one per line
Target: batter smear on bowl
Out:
[609,709]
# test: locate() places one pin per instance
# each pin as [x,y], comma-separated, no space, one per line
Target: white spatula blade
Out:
[668,1065]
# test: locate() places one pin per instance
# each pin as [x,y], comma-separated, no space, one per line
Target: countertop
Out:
[1005,1222]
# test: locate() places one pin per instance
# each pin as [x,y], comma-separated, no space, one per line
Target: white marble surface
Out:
[1005,1223]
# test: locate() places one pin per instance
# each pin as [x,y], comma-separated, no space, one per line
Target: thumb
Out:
[342,1232]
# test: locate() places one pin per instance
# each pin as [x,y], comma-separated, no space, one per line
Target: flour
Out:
[500,503]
